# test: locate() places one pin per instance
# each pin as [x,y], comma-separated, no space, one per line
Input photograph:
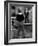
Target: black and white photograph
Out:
[20,22]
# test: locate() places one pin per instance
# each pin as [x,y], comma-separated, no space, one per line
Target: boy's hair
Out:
[13,7]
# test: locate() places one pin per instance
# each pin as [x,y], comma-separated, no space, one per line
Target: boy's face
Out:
[13,10]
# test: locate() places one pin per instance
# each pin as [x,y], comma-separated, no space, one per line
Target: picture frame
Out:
[7,22]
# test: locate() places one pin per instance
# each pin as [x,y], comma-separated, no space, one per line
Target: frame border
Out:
[6,34]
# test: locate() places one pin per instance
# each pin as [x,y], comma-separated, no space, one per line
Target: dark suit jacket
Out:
[20,17]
